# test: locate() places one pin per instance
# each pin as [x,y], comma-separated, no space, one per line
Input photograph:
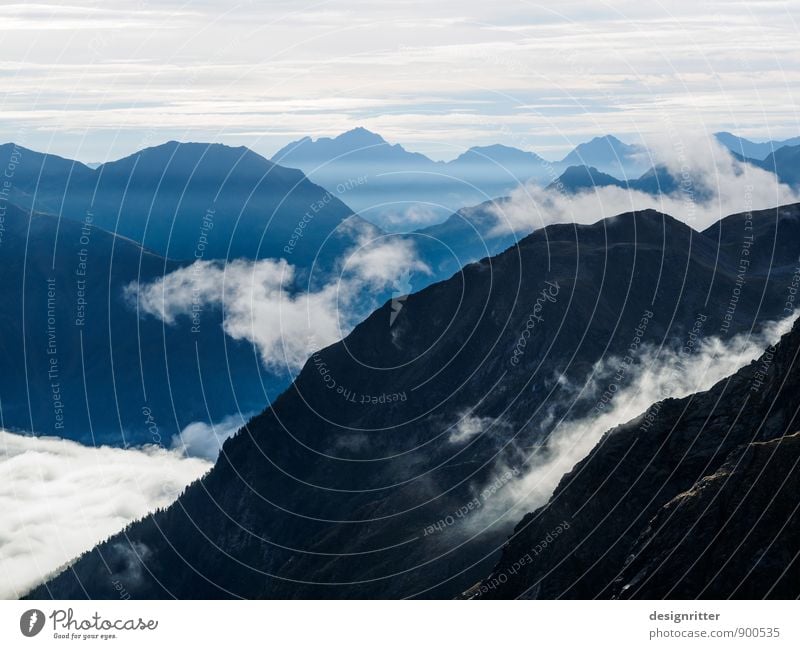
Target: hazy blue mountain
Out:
[610,155]
[400,190]
[78,362]
[333,491]
[506,164]
[754,150]
[784,163]
[186,200]
[466,236]
[655,181]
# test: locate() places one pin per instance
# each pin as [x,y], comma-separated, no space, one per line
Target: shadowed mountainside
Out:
[430,402]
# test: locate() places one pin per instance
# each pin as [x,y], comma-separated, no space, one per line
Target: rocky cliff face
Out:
[376,473]
[696,498]
[735,533]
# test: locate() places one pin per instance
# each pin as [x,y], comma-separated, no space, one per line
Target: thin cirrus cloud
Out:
[470,73]
[60,498]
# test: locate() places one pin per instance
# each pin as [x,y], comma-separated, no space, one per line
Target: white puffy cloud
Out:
[262,305]
[713,185]
[204,440]
[468,426]
[60,498]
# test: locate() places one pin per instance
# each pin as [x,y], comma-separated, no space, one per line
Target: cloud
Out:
[468,426]
[713,184]
[477,72]
[261,304]
[634,387]
[204,440]
[60,498]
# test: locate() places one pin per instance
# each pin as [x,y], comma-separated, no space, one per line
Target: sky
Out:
[98,80]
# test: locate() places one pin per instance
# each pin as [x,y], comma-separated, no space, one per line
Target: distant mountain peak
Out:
[606,141]
[360,135]
[608,138]
[608,154]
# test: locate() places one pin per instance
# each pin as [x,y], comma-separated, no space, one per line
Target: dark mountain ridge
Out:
[425,406]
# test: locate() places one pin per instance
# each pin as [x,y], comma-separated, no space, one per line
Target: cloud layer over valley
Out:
[60,498]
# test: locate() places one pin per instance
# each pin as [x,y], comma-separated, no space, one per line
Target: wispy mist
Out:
[60,498]
[656,375]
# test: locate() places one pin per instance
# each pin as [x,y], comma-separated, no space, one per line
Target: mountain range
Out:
[695,498]
[753,150]
[388,467]
[402,190]
[784,163]
[197,202]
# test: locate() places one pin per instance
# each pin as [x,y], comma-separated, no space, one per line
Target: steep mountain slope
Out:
[347,485]
[692,499]
[186,200]
[78,360]
[468,235]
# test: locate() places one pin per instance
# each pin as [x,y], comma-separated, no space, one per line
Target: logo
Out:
[31,622]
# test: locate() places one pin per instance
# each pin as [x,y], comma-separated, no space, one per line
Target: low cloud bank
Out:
[653,377]
[59,498]
[204,440]
[712,184]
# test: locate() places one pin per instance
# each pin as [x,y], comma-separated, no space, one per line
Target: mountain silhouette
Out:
[610,155]
[785,164]
[404,191]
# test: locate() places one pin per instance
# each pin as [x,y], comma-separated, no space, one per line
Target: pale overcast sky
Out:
[98,80]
